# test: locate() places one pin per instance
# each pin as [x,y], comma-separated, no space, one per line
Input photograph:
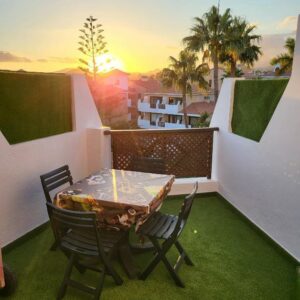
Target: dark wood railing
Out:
[184,152]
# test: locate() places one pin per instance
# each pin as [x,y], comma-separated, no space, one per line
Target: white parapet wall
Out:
[262,179]
[22,202]
[184,186]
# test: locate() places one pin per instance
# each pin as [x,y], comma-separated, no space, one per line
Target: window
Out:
[175,100]
[173,119]
[154,117]
[153,101]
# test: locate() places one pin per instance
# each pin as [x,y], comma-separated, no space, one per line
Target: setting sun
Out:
[106,62]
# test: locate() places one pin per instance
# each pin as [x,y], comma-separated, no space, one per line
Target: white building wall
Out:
[22,202]
[262,179]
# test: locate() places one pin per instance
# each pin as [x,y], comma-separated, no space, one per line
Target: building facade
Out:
[165,110]
[155,106]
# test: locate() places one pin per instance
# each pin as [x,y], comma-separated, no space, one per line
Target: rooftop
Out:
[199,108]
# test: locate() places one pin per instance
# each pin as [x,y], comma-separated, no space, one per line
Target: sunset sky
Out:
[42,35]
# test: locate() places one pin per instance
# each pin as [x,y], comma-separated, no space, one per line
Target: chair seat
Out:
[86,244]
[159,225]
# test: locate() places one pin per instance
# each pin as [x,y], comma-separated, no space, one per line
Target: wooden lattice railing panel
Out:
[184,152]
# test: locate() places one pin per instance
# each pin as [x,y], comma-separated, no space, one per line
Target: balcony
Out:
[162,108]
[146,124]
[243,236]
[175,125]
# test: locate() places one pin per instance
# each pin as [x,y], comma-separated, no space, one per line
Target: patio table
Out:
[120,198]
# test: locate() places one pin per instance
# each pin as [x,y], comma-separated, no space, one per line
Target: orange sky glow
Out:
[140,34]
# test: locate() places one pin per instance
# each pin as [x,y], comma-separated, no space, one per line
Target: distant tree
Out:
[92,44]
[228,73]
[182,73]
[285,60]
[240,45]
[208,36]
[204,120]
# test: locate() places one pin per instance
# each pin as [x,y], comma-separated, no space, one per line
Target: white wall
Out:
[22,202]
[262,179]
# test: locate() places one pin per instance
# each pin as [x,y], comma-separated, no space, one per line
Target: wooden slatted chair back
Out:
[55,179]
[82,224]
[185,210]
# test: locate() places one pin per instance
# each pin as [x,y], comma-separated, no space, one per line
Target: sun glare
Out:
[106,62]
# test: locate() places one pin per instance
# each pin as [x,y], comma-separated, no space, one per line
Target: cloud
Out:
[289,23]
[65,60]
[9,57]
[272,45]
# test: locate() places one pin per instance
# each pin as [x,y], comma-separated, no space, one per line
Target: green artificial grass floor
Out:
[232,261]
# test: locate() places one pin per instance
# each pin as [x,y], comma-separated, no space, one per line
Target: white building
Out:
[162,108]
[165,110]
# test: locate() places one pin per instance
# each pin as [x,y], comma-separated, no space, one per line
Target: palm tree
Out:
[182,73]
[285,60]
[240,45]
[208,35]
[228,73]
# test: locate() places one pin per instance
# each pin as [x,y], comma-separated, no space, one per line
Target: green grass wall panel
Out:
[254,104]
[34,105]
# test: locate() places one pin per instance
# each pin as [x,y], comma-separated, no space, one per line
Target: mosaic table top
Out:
[119,196]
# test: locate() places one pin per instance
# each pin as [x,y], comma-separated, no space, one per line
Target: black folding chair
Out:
[54,179]
[168,228]
[149,164]
[85,245]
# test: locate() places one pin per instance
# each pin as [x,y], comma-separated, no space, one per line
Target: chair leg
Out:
[79,268]
[187,260]
[100,286]
[171,270]
[111,271]
[150,267]
[63,287]
[161,252]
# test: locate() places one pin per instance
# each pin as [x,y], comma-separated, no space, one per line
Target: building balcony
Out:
[162,108]
[144,123]
[175,125]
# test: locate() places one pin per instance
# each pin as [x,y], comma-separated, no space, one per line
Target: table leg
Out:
[127,259]
[142,246]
